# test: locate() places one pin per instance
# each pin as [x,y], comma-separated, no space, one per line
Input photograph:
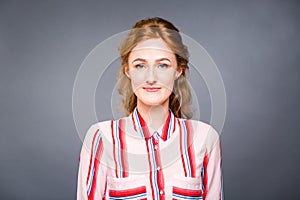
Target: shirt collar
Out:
[141,127]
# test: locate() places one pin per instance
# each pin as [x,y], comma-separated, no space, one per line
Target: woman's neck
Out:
[155,116]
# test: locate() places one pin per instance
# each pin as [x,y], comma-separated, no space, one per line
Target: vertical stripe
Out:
[133,121]
[119,148]
[204,175]
[154,169]
[123,148]
[92,192]
[105,188]
[91,158]
[150,151]
[166,127]
[150,169]
[94,160]
[171,125]
[181,148]
[187,148]
[174,123]
[144,127]
[114,147]
[119,154]
[160,177]
[141,124]
[191,152]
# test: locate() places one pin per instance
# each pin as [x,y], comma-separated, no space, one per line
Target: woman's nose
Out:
[151,75]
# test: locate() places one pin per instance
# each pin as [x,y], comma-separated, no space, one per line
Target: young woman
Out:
[153,153]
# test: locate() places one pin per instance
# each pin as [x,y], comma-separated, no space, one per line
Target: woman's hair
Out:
[180,99]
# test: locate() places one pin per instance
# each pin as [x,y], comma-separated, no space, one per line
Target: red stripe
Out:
[146,133]
[150,167]
[191,152]
[123,148]
[165,128]
[205,178]
[105,188]
[181,151]
[187,192]
[127,192]
[144,126]
[91,158]
[96,169]
[114,150]
[160,177]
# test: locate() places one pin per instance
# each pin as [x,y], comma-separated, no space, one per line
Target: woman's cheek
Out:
[167,82]
[137,82]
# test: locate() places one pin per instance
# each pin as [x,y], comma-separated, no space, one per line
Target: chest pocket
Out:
[187,188]
[131,188]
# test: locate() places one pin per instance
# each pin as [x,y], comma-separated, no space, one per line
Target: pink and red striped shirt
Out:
[125,159]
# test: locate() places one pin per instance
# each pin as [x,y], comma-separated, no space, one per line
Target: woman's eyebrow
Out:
[139,59]
[162,59]
[144,60]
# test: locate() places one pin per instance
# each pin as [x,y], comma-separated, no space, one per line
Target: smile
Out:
[151,89]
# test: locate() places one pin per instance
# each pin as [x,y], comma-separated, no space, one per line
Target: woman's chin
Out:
[153,102]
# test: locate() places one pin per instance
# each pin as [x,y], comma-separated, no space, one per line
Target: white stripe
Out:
[187,161]
[186,197]
[154,174]
[129,197]
[136,117]
[118,149]
[93,161]
[170,128]
[90,182]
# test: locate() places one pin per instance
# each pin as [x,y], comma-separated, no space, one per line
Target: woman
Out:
[153,153]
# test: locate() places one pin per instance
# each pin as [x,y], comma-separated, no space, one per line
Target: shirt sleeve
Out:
[91,174]
[213,182]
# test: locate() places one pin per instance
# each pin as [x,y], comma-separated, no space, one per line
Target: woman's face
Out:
[152,68]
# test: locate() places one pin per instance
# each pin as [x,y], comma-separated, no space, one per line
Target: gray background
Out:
[254,43]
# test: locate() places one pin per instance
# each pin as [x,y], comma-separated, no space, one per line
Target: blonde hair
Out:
[180,99]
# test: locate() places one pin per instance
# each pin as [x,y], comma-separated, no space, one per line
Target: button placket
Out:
[156,141]
[156,146]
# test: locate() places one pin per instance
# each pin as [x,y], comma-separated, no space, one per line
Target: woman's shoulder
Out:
[102,125]
[199,125]
[94,133]
[202,130]
[100,129]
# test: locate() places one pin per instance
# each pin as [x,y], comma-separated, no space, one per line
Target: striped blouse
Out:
[125,159]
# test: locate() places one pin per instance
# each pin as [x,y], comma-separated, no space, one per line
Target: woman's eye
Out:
[139,66]
[163,66]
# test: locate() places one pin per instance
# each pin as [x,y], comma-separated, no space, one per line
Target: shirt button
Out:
[158,168]
[155,147]
[161,192]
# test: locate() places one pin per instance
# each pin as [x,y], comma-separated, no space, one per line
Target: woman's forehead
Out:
[152,44]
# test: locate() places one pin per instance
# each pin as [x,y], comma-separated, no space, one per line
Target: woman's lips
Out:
[151,89]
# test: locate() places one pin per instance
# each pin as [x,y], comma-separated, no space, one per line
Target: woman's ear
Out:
[127,72]
[178,73]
